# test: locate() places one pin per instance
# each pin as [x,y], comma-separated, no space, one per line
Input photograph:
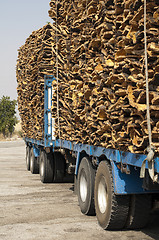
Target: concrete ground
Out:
[30,210]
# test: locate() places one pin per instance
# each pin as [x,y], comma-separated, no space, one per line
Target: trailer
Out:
[120,188]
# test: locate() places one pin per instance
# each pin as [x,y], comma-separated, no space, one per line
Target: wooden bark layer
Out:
[36,58]
[102,88]
[107,89]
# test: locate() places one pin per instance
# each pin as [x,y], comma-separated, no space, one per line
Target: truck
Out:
[120,188]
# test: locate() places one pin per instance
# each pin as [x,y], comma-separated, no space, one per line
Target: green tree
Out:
[7,115]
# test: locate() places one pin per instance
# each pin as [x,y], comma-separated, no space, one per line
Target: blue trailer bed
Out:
[94,167]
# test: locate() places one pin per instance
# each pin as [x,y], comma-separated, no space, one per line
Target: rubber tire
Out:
[58,167]
[28,149]
[114,215]
[34,166]
[87,171]
[139,211]
[46,167]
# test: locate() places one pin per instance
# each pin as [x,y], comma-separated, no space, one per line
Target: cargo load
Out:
[98,50]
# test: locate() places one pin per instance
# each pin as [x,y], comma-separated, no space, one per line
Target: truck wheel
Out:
[85,187]
[46,167]
[139,211]
[34,166]
[58,167]
[111,209]
[28,157]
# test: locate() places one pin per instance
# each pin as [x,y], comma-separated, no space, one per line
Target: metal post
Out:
[49,128]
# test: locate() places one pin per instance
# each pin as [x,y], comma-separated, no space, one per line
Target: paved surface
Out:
[30,210]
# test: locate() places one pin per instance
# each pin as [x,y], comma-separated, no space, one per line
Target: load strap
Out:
[150,149]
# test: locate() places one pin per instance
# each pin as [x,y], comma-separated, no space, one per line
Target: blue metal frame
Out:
[124,183]
[111,154]
[127,183]
[48,85]
[36,151]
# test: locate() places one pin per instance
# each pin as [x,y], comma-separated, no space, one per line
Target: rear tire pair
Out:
[31,161]
[96,194]
[51,167]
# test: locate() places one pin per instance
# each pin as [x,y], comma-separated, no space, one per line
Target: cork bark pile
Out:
[101,82]
[106,96]
[36,58]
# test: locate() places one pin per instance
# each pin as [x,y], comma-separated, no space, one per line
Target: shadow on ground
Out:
[152,230]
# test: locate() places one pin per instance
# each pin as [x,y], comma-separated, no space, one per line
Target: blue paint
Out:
[127,183]
[36,151]
[77,163]
[31,142]
[131,159]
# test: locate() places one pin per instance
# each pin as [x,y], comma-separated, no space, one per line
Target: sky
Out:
[18,18]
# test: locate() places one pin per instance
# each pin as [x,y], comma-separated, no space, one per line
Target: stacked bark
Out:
[101,73]
[103,101]
[36,58]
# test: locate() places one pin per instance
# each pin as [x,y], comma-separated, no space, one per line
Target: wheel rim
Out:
[83,186]
[42,168]
[31,161]
[102,196]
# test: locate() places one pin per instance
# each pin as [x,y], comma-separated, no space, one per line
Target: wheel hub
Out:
[42,168]
[102,196]
[31,162]
[83,187]
[27,159]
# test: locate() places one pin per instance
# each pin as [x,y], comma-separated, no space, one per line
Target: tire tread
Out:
[139,212]
[115,217]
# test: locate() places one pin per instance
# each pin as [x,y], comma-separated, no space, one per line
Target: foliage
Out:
[7,115]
